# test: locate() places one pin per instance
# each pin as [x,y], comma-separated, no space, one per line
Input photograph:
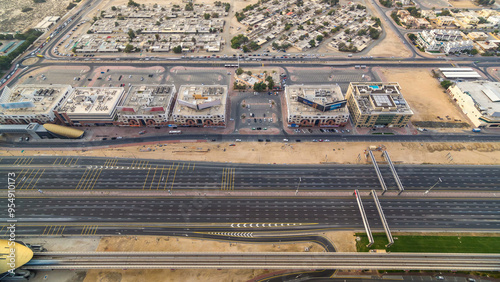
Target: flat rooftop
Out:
[26,99]
[485,93]
[195,100]
[92,102]
[144,99]
[380,98]
[322,95]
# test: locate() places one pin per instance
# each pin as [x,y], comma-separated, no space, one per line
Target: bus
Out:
[231,65]
[38,55]
[174,132]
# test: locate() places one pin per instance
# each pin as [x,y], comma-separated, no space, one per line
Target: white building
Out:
[316,105]
[30,103]
[201,105]
[146,105]
[90,106]
[457,46]
[447,41]
[479,101]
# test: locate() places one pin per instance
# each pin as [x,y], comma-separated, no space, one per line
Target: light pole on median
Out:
[298,184]
[437,182]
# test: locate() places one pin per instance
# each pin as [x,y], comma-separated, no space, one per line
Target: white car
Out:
[238,140]
[285,140]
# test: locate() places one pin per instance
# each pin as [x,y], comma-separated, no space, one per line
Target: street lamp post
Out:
[437,182]
[298,184]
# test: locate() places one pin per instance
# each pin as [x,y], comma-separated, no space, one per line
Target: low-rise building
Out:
[447,41]
[477,36]
[90,106]
[445,21]
[146,105]
[479,101]
[377,104]
[316,105]
[46,23]
[201,105]
[486,45]
[457,46]
[28,103]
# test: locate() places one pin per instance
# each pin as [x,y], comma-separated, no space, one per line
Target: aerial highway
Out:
[330,260]
[94,174]
[65,216]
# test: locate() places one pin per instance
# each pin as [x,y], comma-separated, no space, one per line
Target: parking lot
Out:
[116,76]
[257,112]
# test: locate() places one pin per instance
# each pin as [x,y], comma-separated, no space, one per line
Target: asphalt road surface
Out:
[253,138]
[87,174]
[228,216]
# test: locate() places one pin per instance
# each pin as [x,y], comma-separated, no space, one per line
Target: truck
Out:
[476,130]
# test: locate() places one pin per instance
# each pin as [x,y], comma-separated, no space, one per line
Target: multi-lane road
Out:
[97,174]
[240,217]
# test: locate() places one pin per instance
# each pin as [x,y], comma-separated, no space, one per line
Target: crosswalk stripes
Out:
[140,165]
[88,179]
[24,183]
[65,161]
[27,180]
[233,234]
[110,163]
[23,161]
[89,230]
[4,232]
[173,179]
[168,175]
[53,230]
[39,176]
[227,182]
[154,175]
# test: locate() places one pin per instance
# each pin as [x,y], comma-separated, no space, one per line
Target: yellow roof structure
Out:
[63,130]
[22,255]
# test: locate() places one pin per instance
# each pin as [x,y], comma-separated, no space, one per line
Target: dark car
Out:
[268,140]
[298,140]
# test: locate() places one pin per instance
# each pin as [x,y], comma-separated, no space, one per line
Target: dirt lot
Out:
[167,244]
[391,45]
[12,19]
[462,4]
[424,94]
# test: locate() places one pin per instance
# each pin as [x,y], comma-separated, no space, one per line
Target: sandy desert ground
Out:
[12,19]
[172,244]
[391,45]
[462,4]
[295,153]
[424,94]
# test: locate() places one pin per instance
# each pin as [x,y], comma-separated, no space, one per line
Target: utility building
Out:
[377,105]
[479,101]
